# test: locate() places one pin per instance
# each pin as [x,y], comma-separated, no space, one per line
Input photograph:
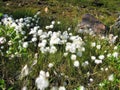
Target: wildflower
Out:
[115,48]
[109,54]
[82,88]
[21,20]
[98,46]
[51,26]
[106,69]
[76,63]
[47,27]
[34,39]
[85,63]
[101,57]
[25,44]
[93,57]
[101,84]
[115,54]
[47,74]
[83,49]
[53,22]
[112,38]
[40,32]
[58,22]
[50,65]
[2,47]
[101,69]
[98,61]
[93,44]
[53,49]
[73,57]
[2,40]
[69,29]
[42,81]
[62,88]
[65,54]
[24,88]
[111,77]
[91,80]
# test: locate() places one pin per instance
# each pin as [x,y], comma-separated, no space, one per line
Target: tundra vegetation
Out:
[41,50]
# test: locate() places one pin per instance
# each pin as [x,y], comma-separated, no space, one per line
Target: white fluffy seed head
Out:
[93,44]
[62,88]
[73,57]
[76,63]
[98,46]
[93,57]
[101,57]
[98,61]
[25,44]
[50,65]
[111,77]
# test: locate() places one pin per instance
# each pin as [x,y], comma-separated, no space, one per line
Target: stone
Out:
[91,22]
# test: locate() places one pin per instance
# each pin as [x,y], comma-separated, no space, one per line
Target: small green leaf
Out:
[1,14]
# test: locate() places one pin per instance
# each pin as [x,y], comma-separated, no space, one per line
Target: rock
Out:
[115,28]
[90,22]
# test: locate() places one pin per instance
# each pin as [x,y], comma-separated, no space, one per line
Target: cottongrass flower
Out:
[2,40]
[65,54]
[98,61]
[102,69]
[76,63]
[73,57]
[93,44]
[111,77]
[85,63]
[58,22]
[115,54]
[62,88]
[106,69]
[50,65]
[53,22]
[115,48]
[101,57]
[91,79]
[42,81]
[82,88]
[109,55]
[34,39]
[51,26]
[69,29]
[93,57]
[53,49]
[112,38]
[47,27]
[25,44]
[101,84]
[24,88]
[98,46]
